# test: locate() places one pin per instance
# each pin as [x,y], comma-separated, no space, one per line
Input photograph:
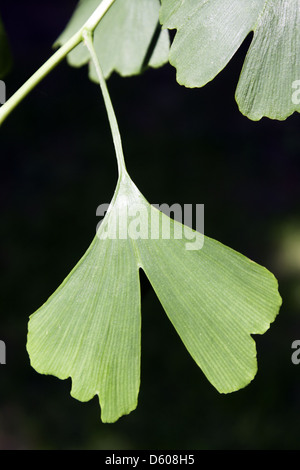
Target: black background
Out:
[181,145]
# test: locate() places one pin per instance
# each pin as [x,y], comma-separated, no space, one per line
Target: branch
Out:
[54,60]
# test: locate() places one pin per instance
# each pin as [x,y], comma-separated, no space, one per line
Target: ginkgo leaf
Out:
[5,54]
[209,32]
[89,329]
[270,79]
[127,39]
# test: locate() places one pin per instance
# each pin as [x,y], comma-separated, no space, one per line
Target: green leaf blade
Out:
[122,39]
[209,32]
[272,64]
[89,329]
[215,298]
[208,35]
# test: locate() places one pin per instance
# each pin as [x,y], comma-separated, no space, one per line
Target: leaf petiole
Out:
[88,40]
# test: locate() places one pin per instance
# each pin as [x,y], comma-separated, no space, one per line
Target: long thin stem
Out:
[54,60]
[88,39]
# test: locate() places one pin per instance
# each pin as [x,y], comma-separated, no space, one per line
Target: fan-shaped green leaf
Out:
[127,39]
[209,32]
[89,329]
[270,78]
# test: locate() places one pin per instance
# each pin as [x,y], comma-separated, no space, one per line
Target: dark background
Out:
[181,145]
